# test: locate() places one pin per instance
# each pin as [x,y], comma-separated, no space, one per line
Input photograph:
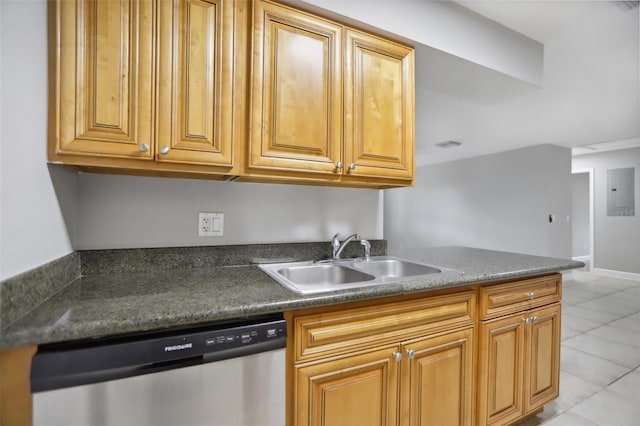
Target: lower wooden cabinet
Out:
[403,362]
[358,390]
[437,380]
[479,355]
[518,364]
[422,382]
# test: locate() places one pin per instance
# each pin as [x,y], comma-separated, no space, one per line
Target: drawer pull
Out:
[531,295]
[397,356]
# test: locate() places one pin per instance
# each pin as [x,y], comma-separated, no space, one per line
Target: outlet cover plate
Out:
[210,224]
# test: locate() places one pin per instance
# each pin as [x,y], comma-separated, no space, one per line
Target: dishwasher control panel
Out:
[214,341]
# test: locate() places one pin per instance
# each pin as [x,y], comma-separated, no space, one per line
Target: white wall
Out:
[121,211]
[580,214]
[32,225]
[616,239]
[499,201]
[449,28]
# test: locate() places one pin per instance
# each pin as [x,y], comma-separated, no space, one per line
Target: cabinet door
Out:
[296,93]
[379,107]
[195,82]
[437,386]
[360,390]
[543,357]
[501,356]
[101,77]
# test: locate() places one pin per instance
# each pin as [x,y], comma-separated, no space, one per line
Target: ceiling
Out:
[590,94]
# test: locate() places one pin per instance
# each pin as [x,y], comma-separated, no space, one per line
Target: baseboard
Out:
[616,274]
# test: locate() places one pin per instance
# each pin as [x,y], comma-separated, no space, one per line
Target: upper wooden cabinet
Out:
[103,91]
[379,107]
[250,90]
[329,102]
[296,91]
[142,80]
[195,103]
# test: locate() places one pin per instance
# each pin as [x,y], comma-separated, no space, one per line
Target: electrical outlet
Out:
[210,224]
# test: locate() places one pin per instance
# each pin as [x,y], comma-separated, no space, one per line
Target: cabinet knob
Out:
[531,295]
[352,166]
[339,165]
[397,356]
[165,150]
[411,353]
[526,320]
[143,147]
[535,320]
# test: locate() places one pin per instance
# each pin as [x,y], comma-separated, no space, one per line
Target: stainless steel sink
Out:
[317,277]
[323,274]
[395,268]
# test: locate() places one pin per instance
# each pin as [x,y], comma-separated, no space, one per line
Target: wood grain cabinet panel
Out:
[296,107]
[518,364]
[143,87]
[195,81]
[323,334]
[437,380]
[501,370]
[379,107]
[329,102]
[543,362]
[400,362]
[102,90]
[359,390]
[502,299]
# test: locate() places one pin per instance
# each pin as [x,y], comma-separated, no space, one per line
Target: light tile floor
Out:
[600,354]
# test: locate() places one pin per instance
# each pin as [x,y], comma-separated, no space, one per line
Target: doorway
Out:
[582,240]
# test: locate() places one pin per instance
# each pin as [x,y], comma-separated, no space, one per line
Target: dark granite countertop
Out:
[102,305]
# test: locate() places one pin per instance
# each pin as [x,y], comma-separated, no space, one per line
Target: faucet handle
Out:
[367,248]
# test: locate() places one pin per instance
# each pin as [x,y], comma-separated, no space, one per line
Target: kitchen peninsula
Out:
[122,299]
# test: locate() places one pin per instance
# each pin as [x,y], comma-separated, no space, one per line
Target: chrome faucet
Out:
[338,246]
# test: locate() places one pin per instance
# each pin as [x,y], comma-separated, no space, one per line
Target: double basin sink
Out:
[317,277]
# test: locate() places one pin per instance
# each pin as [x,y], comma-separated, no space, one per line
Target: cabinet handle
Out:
[535,320]
[339,165]
[411,353]
[397,356]
[352,166]
[531,295]
[165,150]
[143,147]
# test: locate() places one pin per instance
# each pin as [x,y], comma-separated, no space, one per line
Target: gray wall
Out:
[123,211]
[499,201]
[36,217]
[580,214]
[616,239]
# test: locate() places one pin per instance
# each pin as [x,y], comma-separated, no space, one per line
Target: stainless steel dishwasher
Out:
[229,375]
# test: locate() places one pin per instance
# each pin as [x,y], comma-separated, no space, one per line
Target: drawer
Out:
[502,299]
[343,330]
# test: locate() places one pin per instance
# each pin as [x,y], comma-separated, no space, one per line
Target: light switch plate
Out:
[210,224]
